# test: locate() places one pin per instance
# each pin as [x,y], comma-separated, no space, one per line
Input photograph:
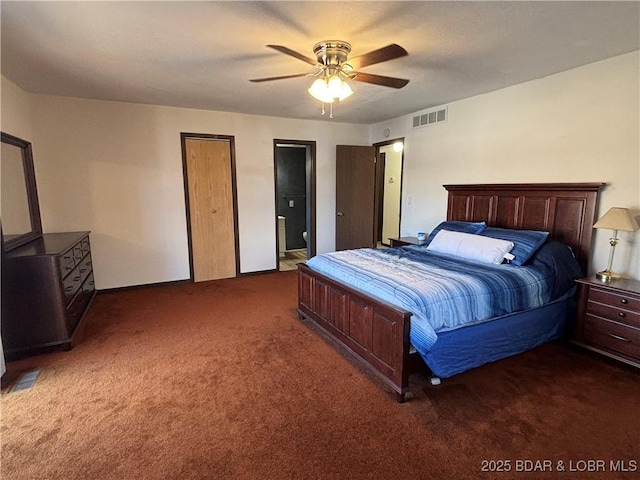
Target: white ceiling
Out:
[202,54]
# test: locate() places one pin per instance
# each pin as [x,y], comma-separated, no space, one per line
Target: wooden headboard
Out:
[565,210]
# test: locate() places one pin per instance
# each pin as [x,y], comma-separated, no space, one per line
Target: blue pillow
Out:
[526,242]
[456,226]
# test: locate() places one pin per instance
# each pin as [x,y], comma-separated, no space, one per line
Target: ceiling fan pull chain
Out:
[331,110]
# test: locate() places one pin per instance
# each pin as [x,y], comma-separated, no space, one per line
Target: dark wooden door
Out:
[355,196]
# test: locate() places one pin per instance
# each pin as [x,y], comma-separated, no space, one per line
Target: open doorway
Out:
[294,162]
[389,165]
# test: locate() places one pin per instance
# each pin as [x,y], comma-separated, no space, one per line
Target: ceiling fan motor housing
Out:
[332,52]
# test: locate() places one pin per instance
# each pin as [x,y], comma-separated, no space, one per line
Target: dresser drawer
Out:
[85,246]
[612,336]
[85,267]
[67,263]
[71,284]
[78,253]
[628,302]
[614,313]
[76,308]
[73,256]
[78,275]
[88,286]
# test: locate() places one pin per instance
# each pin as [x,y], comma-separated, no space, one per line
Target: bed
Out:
[377,329]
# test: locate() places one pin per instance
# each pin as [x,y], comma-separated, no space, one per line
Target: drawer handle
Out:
[82,270]
[622,314]
[68,289]
[618,337]
[77,278]
[624,300]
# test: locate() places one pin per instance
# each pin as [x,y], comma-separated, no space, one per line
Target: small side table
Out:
[609,318]
[403,241]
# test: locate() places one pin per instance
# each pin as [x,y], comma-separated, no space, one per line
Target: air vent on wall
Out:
[429,118]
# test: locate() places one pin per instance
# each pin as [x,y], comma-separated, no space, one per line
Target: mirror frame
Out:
[32,194]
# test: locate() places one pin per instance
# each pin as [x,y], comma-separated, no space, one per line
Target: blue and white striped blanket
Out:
[441,292]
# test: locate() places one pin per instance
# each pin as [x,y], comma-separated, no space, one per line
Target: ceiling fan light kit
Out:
[332,69]
[328,89]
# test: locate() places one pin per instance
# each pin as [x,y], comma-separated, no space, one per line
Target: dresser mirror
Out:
[19,207]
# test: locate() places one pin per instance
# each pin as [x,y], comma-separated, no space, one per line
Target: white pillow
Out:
[470,246]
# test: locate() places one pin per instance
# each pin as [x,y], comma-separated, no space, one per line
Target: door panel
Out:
[211,215]
[355,197]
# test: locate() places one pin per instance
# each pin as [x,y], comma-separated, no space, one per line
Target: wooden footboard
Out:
[375,332]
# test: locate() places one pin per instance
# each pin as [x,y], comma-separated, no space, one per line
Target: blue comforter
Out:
[444,292]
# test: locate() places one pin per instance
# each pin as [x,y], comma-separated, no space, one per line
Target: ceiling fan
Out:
[332,67]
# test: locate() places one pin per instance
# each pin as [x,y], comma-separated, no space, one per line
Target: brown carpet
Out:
[220,380]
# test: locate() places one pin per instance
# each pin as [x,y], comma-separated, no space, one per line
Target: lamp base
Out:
[607,275]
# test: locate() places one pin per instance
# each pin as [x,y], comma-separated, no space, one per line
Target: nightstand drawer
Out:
[612,336]
[614,299]
[613,313]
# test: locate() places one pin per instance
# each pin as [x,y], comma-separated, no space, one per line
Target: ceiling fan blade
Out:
[376,56]
[380,80]
[268,79]
[294,54]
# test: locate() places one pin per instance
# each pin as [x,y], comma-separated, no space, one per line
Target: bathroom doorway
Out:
[294,166]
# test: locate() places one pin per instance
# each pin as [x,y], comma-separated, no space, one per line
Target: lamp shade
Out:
[617,218]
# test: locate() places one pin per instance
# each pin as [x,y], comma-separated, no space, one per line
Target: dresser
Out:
[47,287]
[609,318]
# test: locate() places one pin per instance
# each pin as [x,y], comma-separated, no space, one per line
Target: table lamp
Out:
[615,219]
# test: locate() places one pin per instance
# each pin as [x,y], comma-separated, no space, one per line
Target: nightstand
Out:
[402,241]
[609,318]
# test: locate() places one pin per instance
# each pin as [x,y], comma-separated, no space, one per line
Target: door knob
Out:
[340,214]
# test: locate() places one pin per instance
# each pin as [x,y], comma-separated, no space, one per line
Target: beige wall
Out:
[14,115]
[577,126]
[116,169]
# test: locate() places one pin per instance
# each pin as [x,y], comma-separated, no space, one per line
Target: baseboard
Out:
[144,285]
[174,282]
[259,272]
